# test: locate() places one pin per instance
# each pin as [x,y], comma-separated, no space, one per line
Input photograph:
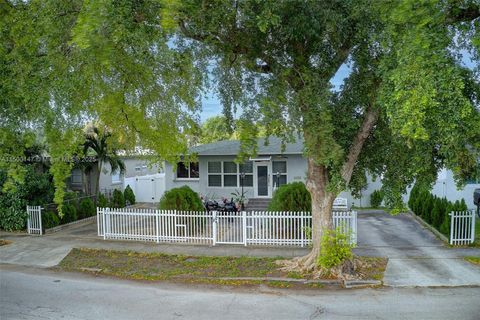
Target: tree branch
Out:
[363,132]
[470,13]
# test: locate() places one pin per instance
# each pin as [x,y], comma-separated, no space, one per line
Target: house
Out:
[217,175]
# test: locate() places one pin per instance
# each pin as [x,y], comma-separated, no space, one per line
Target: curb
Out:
[429,227]
[73,223]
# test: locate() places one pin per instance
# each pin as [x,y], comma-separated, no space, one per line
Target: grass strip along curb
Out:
[204,269]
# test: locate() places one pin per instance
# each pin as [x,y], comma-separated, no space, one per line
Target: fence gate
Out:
[462,227]
[229,227]
[34,221]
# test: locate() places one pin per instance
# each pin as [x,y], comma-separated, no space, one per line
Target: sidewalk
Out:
[49,250]
[424,262]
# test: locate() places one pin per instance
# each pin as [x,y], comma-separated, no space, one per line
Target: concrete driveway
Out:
[416,256]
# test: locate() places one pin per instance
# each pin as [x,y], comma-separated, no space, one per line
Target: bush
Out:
[291,197]
[376,198]
[434,210]
[102,201]
[50,220]
[87,209]
[69,213]
[129,195]
[183,198]
[13,213]
[118,200]
[335,249]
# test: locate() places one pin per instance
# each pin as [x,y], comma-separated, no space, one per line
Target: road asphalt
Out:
[30,293]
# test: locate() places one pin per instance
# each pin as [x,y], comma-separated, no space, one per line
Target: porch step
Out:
[258,204]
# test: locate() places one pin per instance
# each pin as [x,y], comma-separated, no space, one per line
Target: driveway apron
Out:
[416,256]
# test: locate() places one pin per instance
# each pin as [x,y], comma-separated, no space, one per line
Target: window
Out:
[246,168]
[279,170]
[214,174]
[187,170]
[116,177]
[229,174]
[76,176]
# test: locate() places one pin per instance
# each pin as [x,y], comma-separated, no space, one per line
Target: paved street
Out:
[40,294]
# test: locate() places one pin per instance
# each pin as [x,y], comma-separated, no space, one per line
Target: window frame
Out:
[189,172]
[274,174]
[115,174]
[80,175]
[222,175]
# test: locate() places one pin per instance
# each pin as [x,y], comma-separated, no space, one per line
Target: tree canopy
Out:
[408,107]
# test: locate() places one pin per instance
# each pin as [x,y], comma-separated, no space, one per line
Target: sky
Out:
[211,105]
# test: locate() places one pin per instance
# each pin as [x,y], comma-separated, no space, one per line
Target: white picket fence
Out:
[34,220]
[211,228]
[462,227]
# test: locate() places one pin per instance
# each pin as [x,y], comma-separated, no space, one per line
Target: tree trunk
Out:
[322,202]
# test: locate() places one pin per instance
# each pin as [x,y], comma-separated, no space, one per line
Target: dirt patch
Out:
[198,269]
[4,242]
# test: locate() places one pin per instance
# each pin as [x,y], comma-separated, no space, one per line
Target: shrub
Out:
[102,201]
[376,198]
[183,198]
[334,249]
[118,200]
[291,197]
[50,220]
[129,195]
[69,213]
[87,208]
[13,213]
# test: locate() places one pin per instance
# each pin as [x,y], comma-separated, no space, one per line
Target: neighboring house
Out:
[134,166]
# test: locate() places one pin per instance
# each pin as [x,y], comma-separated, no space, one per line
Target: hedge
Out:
[86,208]
[376,198]
[129,195]
[118,200]
[291,197]
[432,209]
[183,198]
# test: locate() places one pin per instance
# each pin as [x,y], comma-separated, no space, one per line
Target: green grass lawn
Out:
[203,269]
[474,260]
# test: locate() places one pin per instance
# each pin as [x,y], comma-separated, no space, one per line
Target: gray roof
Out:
[232,147]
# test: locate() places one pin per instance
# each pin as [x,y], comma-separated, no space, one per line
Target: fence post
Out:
[214,227]
[28,220]
[244,218]
[302,230]
[452,217]
[472,235]
[105,212]
[40,218]
[157,213]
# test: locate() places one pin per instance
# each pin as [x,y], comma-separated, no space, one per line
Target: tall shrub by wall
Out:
[432,209]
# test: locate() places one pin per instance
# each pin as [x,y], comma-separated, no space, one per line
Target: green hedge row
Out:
[432,209]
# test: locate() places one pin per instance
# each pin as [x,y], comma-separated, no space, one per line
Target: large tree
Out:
[408,107]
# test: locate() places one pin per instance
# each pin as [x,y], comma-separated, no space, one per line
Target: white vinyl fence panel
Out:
[462,227]
[211,228]
[34,220]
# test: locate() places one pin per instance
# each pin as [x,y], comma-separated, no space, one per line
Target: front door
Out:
[262,180]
